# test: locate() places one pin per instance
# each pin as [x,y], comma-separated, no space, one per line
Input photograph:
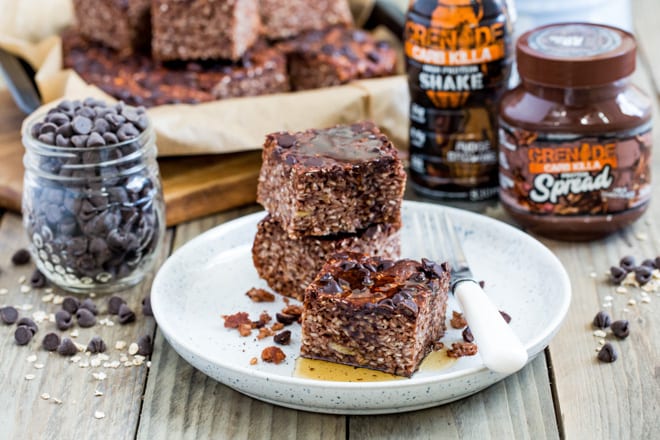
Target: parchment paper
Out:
[227,125]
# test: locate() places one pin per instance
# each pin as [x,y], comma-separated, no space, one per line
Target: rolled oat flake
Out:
[575,135]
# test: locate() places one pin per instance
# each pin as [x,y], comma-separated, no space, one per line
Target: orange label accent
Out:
[447,99]
[585,157]
[459,57]
[571,167]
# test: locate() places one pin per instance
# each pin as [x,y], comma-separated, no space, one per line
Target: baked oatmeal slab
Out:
[375,313]
[287,18]
[289,264]
[328,181]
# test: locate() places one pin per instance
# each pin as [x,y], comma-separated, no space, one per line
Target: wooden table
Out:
[565,392]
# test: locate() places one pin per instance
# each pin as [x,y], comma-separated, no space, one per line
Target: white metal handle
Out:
[500,348]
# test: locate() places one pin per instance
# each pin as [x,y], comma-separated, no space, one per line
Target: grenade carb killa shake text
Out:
[458,58]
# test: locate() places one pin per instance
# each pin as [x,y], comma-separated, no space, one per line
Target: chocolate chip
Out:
[126,315]
[621,328]
[79,140]
[37,279]
[649,263]
[433,269]
[67,347]
[617,275]
[114,303]
[467,335]
[657,262]
[286,140]
[95,140]
[85,318]
[373,56]
[110,138]
[89,305]
[20,257]
[506,316]
[81,125]
[627,263]
[62,141]
[9,315]
[285,318]
[23,335]
[145,347]
[63,320]
[602,320]
[65,130]
[47,127]
[27,322]
[51,342]
[146,306]
[408,307]
[96,345]
[70,304]
[607,353]
[643,274]
[127,131]
[283,337]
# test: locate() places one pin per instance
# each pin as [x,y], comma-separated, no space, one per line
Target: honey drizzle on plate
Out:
[331,371]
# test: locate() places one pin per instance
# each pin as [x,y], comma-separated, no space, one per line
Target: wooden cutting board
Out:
[193,186]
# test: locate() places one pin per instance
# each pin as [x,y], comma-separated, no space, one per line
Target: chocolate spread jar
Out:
[575,135]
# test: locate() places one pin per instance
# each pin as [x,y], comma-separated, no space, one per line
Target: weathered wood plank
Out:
[23,414]
[645,14]
[618,400]
[519,407]
[181,402]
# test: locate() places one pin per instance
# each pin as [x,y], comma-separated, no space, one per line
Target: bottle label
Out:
[562,174]
[458,61]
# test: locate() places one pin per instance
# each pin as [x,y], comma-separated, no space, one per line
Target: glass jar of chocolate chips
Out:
[92,199]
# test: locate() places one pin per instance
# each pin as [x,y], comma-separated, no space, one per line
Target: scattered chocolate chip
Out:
[617,274]
[51,342]
[145,347]
[89,305]
[29,324]
[467,335]
[126,315]
[70,304]
[67,347]
[643,274]
[23,335]
[649,263]
[283,337]
[602,320]
[85,318]
[20,257]
[146,306]
[114,303]
[607,353]
[37,279]
[63,320]
[506,316]
[621,328]
[627,263]
[9,315]
[96,345]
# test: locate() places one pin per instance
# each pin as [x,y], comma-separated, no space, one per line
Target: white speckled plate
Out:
[208,277]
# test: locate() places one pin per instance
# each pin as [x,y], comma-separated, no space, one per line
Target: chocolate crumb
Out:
[607,353]
[233,321]
[260,295]
[20,257]
[459,349]
[285,319]
[457,320]
[283,338]
[273,354]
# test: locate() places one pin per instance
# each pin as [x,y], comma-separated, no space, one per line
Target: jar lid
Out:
[575,55]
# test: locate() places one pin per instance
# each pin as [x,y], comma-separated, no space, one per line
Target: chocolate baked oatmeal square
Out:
[375,313]
[203,29]
[335,180]
[287,18]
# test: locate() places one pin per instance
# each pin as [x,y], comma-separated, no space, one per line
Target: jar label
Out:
[574,40]
[574,174]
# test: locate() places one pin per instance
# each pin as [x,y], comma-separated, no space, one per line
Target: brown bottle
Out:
[458,58]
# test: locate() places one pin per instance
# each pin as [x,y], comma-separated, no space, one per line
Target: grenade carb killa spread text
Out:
[575,135]
[458,57]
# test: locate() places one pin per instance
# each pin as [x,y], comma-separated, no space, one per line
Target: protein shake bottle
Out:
[458,58]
